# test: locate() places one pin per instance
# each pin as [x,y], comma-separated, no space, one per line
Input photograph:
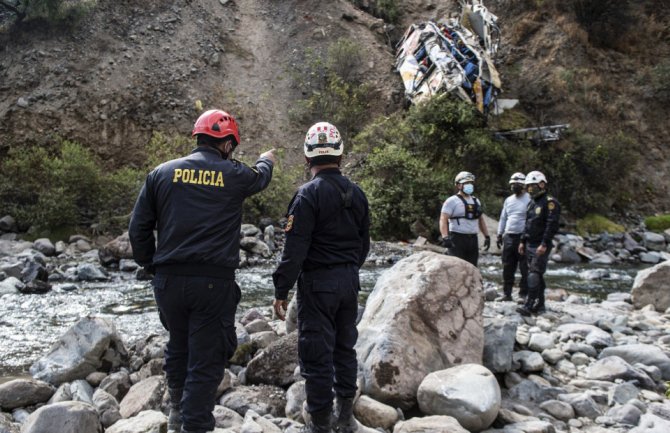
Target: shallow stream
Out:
[30,324]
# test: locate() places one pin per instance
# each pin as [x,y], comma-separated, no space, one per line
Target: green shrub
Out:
[659,82]
[163,148]
[657,223]
[333,91]
[384,9]
[53,11]
[594,224]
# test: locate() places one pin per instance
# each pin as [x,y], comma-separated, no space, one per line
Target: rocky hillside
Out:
[130,68]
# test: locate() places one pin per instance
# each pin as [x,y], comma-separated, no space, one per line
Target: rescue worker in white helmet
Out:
[510,228]
[542,220]
[195,204]
[327,241]
[461,220]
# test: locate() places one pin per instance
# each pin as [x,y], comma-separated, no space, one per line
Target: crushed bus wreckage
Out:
[452,55]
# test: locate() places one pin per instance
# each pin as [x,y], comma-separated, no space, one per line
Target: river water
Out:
[30,324]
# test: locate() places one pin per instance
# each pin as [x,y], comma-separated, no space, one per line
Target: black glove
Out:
[499,241]
[487,243]
[446,242]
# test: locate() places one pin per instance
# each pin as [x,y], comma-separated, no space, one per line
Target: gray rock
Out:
[622,393]
[432,424]
[276,363]
[107,407]
[142,396]
[262,399]
[527,390]
[44,246]
[558,409]
[63,417]
[650,423]
[80,351]
[499,338]
[626,414]
[529,361]
[613,367]
[257,325]
[90,272]
[116,384]
[646,354]
[552,356]
[660,409]
[24,392]
[468,392]
[593,335]
[11,285]
[7,224]
[650,258]
[81,391]
[148,421]
[375,414]
[653,241]
[295,397]
[583,405]
[116,250]
[434,301]
[652,286]
[541,341]
[227,418]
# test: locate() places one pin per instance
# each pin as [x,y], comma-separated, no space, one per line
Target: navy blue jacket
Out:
[195,203]
[542,218]
[321,232]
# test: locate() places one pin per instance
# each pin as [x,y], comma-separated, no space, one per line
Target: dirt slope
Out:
[132,67]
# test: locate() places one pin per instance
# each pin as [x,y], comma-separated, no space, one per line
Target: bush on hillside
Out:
[53,11]
[333,89]
[595,224]
[657,223]
[385,9]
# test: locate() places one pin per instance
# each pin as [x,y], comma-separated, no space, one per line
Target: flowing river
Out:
[30,324]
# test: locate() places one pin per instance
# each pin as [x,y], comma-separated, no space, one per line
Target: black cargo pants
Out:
[327,311]
[510,260]
[537,266]
[465,246]
[199,312]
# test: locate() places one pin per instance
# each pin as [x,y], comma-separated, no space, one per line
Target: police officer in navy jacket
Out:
[542,219]
[327,241]
[195,204]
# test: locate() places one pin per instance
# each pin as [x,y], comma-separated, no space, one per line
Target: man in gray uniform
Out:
[461,219]
[510,229]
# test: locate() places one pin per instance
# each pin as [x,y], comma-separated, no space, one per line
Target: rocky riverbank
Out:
[432,357]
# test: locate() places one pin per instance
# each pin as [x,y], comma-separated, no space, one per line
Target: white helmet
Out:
[323,139]
[535,177]
[517,178]
[464,177]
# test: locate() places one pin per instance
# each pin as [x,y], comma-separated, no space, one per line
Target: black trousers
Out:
[466,247]
[537,266]
[327,310]
[199,313]
[511,259]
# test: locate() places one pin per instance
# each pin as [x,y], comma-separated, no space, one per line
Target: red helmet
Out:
[218,124]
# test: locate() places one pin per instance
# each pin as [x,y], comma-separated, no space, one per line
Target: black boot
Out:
[344,421]
[174,419]
[320,422]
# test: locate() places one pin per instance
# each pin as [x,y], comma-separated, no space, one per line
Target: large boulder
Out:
[424,315]
[63,417]
[144,395]
[645,354]
[275,365]
[24,392]
[148,421]
[469,393]
[499,339]
[115,250]
[652,286]
[90,345]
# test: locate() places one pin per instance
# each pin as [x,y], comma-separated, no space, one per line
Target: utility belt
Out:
[513,235]
[309,267]
[465,235]
[196,270]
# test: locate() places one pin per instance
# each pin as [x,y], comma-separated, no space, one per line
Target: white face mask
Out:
[468,188]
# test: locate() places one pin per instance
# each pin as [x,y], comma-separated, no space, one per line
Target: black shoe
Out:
[539,310]
[505,298]
[524,311]
[521,301]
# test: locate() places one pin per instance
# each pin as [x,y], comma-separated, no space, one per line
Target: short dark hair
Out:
[208,140]
[325,160]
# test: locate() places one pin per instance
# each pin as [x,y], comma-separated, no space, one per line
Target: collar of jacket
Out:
[332,170]
[207,149]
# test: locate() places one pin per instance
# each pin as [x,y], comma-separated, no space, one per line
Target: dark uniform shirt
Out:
[195,202]
[321,232]
[542,220]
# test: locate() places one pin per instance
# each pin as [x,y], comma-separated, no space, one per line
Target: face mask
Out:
[468,188]
[517,188]
[532,189]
